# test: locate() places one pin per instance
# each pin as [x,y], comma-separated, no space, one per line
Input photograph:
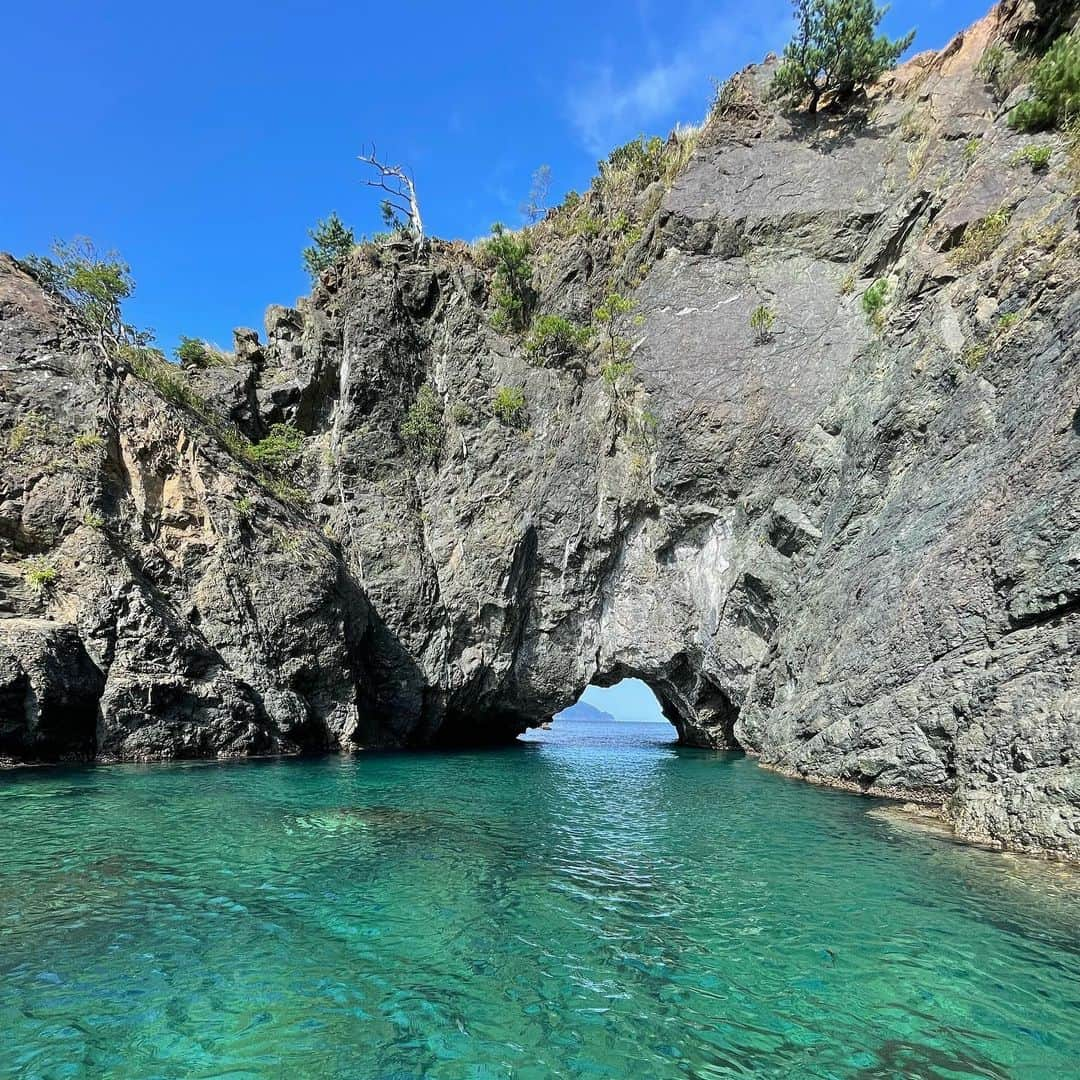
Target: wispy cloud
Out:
[607,106]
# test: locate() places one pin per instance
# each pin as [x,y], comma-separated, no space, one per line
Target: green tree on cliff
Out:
[836,49]
[332,243]
[513,292]
[95,284]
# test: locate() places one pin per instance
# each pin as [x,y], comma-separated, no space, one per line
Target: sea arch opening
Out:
[700,712]
[627,700]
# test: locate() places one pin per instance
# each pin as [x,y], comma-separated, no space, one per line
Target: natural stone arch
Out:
[700,712]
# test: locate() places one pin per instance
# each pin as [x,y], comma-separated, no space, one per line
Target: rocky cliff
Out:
[847,542]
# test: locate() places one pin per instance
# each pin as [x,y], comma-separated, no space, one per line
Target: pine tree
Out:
[835,50]
[333,242]
[1055,88]
[513,292]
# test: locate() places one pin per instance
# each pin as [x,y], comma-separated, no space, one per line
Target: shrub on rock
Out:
[1055,88]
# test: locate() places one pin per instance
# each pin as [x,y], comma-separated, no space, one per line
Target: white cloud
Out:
[606,109]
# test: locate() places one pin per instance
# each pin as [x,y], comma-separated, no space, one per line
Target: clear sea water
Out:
[593,903]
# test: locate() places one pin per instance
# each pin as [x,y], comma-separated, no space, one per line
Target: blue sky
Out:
[202,140]
[630,699]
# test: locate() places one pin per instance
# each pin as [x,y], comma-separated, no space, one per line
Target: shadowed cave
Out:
[701,714]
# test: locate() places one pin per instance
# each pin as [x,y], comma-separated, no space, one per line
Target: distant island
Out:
[586,712]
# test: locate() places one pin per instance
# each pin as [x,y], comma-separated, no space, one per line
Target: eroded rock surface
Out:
[851,549]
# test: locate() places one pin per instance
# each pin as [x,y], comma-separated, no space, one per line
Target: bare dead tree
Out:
[400,190]
[535,206]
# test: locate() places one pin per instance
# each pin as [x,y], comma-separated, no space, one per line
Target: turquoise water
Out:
[594,903]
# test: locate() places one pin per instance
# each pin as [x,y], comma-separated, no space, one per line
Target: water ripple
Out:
[601,906]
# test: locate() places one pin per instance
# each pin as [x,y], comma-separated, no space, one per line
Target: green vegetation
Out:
[245,509]
[974,355]
[508,405]
[461,413]
[18,436]
[273,456]
[513,292]
[980,239]
[571,201]
[87,440]
[1071,170]
[971,150]
[611,317]
[729,96]
[553,338]
[847,285]
[632,167]
[835,51]
[235,443]
[151,366]
[615,372]
[874,300]
[284,491]
[1006,322]
[762,319]
[280,450]
[917,155]
[87,446]
[586,225]
[41,575]
[914,124]
[627,239]
[1002,70]
[1055,88]
[1037,157]
[333,242]
[93,520]
[612,209]
[32,430]
[194,353]
[95,284]
[562,217]
[678,150]
[392,219]
[422,428]
[643,427]
[191,352]
[1043,235]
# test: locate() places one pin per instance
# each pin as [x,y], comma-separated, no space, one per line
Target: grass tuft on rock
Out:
[508,405]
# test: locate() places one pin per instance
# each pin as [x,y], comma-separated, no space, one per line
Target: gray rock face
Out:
[49,690]
[850,549]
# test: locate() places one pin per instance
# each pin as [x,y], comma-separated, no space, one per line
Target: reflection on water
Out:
[595,902]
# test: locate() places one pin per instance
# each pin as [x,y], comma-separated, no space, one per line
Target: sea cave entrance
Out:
[701,713]
[629,701]
[676,698]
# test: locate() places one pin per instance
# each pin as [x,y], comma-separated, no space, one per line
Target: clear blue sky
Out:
[630,699]
[202,140]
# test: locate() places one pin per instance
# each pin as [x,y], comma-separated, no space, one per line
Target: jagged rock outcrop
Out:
[49,692]
[850,549]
